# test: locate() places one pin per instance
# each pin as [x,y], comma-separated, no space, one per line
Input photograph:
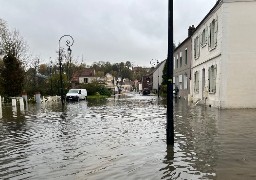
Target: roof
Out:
[209,13]
[87,72]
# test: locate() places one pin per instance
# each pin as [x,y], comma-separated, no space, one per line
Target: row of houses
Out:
[216,63]
[88,75]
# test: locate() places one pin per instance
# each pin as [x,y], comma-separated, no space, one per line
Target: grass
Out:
[97,97]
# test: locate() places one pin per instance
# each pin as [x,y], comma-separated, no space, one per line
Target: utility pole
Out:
[170,124]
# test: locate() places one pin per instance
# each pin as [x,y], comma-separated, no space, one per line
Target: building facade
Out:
[182,65]
[158,76]
[223,44]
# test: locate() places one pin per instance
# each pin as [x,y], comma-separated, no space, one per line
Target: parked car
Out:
[76,95]
[146,91]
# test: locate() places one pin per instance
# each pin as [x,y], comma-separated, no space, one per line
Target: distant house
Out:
[86,75]
[157,76]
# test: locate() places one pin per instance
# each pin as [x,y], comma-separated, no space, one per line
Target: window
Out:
[180,59]
[186,56]
[196,48]
[185,85]
[212,36]
[212,74]
[204,37]
[180,81]
[173,62]
[85,80]
[173,83]
[177,62]
[196,82]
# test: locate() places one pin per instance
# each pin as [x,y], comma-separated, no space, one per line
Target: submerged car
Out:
[76,95]
[146,91]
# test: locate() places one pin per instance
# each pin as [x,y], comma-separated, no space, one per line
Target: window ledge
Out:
[203,45]
[210,49]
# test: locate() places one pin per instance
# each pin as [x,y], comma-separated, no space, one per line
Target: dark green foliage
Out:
[94,88]
[164,76]
[12,76]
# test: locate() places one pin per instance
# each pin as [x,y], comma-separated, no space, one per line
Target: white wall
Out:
[159,72]
[239,52]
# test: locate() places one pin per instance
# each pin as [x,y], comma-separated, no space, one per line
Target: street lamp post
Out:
[170,123]
[68,44]
[155,63]
[51,76]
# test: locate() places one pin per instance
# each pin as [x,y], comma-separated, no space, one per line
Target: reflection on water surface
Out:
[125,139]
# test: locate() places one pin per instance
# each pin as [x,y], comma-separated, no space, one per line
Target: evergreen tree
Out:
[12,75]
[164,76]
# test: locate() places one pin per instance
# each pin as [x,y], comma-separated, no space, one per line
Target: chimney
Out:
[191,30]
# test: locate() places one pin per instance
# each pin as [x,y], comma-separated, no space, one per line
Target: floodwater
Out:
[125,139]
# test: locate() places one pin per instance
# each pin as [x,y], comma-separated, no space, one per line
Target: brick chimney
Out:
[191,30]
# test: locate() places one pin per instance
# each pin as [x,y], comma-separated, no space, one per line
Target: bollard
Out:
[1,102]
[21,101]
[38,98]
[21,104]
[14,102]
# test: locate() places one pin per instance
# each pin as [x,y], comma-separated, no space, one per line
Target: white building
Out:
[157,75]
[224,56]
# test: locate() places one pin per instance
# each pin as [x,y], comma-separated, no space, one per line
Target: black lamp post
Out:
[170,123]
[51,75]
[155,63]
[69,44]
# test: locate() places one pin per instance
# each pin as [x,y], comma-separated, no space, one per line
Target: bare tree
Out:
[12,43]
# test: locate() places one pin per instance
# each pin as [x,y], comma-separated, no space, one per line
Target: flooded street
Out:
[125,139]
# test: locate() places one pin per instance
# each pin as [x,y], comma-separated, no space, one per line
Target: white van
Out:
[76,94]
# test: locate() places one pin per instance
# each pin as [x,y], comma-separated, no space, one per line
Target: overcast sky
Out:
[103,30]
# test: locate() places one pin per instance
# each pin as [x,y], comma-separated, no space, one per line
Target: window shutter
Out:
[201,39]
[209,81]
[195,48]
[215,31]
[209,36]
[173,62]
[215,77]
[206,34]
[198,49]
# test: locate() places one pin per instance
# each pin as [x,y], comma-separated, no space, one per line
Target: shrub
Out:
[94,88]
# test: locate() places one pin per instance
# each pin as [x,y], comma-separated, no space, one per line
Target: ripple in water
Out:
[125,139]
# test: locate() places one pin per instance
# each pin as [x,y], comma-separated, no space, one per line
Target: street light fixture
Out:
[68,44]
[155,63]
